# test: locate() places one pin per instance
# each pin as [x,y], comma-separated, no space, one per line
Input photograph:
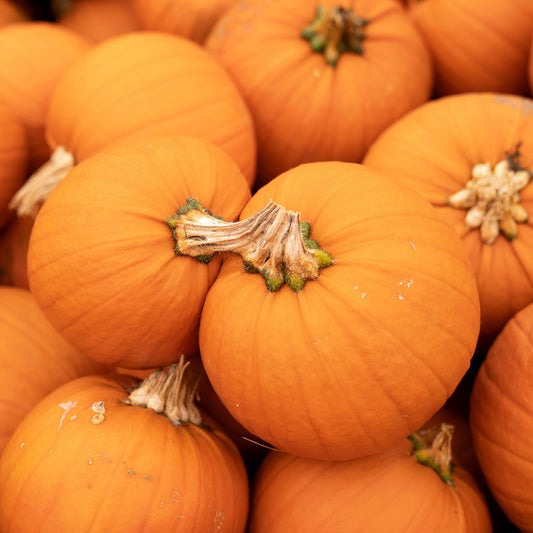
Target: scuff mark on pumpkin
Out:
[412,244]
[66,406]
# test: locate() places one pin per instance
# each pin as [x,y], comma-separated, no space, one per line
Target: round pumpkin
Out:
[365,350]
[454,151]
[476,45]
[322,79]
[136,85]
[501,419]
[101,261]
[14,158]
[192,19]
[34,358]
[98,20]
[33,56]
[390,491]
[101,459]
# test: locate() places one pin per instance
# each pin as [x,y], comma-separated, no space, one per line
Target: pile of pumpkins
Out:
[266,266]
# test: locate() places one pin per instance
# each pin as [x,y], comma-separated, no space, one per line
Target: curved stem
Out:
[170,393]
[433,448]
[272,242]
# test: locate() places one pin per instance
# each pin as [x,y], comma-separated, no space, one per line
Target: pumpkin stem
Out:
[492,198]
[169,392]
[272,242]
[29,198]
[433,447]
[335,30]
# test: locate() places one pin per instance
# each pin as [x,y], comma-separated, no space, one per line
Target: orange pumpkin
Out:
[33,55]
[451,146]
[98,20]
[393,491]
[14,158]
[192,19]
[326,104]
[501,419]
[11,12]
[370,346]
[476,45]
[101,261]
[34,358]
[14,242]
[133,86]
[101,458]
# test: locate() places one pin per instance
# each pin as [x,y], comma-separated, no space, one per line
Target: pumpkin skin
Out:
[384,334]
[14,158]
[389,491]
[192,19]
[174,87]
[433,151]
[304,109]
[476,47]
[125,285]
[33,56]
[91,477]
[501,419]
[34,358]
[98,20]
[11,12]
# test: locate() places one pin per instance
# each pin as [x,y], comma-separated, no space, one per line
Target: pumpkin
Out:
[14,242]
[14,158]
[173,87]
[501,419]
[101,456]
[33,55]
[333,362]
[448,150]
[192,19]
[98,20]
[101,257]
[392,491]
[11,12]
[34,358]
[476,45]
[317,94]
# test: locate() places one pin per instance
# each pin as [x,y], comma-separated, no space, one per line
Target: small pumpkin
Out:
[34,358]
[136,85]
[322,79]
[192,19]
[394,491]
[101,261]
[98,20]
[471,156]
[476,45]
[102,453]
[365,350]
[14,158]
[33,55]
[501,418]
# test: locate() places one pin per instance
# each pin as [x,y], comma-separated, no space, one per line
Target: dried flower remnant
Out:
[492,198]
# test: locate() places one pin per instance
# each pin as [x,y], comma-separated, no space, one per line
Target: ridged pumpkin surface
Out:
[149,83]
[101,261]
[365,353]
[434,150]
[501,419]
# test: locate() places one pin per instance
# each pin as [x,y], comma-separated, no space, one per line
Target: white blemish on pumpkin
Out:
[363,294]
[67,406]
[89,460]
[356,287]
[99,409]
[400,296]
[73,417]
[22,444]
[175,497]
[237,405]
[412,245]
[219,518]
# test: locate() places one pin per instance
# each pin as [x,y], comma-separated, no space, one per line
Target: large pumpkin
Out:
[101,261]
[454,151]
[501,419]
[322,78]
[101,459]
[390,491]
[34,358]
[369,347]
[33,56]
[476,45]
